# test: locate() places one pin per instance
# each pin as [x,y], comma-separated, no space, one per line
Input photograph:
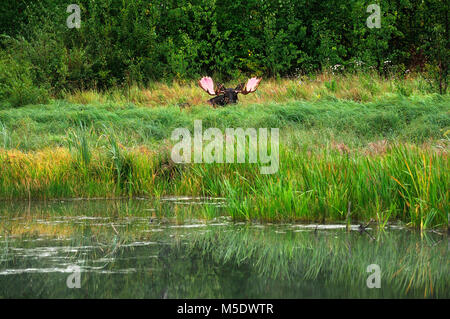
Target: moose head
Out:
[226,96]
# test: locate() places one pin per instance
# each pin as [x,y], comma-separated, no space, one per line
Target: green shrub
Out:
[16,84]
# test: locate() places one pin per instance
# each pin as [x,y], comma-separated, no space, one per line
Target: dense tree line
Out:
[143,40]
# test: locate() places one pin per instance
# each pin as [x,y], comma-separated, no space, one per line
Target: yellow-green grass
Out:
[353,87]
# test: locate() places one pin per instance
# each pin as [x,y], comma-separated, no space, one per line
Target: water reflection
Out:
[164,249]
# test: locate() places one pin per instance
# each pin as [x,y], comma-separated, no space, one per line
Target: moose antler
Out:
[250,87]
[207,84]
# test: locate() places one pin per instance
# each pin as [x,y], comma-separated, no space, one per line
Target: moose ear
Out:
[251,86]
[239,88]
[207,84]
[220,88]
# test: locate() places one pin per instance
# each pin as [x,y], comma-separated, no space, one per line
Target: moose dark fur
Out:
[224,95]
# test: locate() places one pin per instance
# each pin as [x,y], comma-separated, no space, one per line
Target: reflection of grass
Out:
[32,230]
[98,217]
[407,263]
[284,258]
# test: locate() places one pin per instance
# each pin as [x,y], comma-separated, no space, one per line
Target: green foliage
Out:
[16,84]
[11,16]
[126,42]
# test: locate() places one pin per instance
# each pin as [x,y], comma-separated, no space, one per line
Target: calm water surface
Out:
[173,249]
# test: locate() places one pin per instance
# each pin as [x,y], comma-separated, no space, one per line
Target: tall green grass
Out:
[405,182]
[5,137]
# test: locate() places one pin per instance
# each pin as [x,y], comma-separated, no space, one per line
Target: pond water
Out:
[174,248]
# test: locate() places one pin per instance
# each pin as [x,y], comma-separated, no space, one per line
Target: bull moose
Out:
[225,96]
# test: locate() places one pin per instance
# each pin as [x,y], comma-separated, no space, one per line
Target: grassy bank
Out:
[339,159]
[384,183]
[380,182]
